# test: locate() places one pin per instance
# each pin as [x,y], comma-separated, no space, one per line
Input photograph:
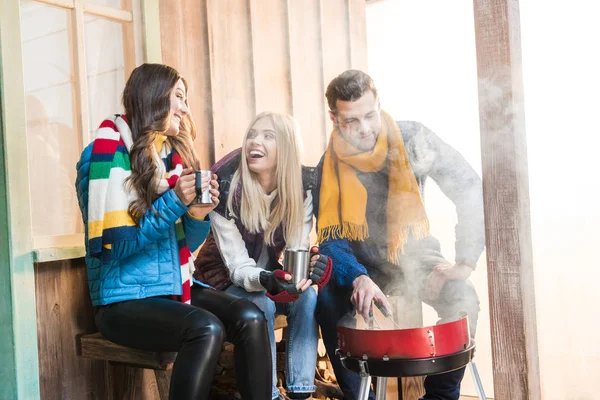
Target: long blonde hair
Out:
[286,209]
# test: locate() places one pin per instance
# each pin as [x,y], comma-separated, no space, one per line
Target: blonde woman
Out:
[267,206]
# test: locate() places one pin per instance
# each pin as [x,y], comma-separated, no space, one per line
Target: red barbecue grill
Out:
[406,352]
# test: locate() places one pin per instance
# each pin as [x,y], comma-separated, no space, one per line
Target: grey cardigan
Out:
[430,156]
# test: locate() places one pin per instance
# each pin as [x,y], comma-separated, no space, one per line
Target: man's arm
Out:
[346,270]
[430,156]
[345,266]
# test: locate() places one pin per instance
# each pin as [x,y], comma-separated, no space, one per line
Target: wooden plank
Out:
[280,322]
[111,13]
[97,347]
[64,311]
[129,44]
[506,200]
[151,31]
[8,379]
[336,33]
[232,80]
[357,21]
[271,56]
[77,43]
[184,40]
[163,383]
[59,3]
[18,351]
[308,91]
[336,45]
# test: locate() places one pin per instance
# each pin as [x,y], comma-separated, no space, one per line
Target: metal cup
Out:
[296,263]
[203,197]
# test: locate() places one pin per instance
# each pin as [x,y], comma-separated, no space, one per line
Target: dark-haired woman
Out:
[136,187]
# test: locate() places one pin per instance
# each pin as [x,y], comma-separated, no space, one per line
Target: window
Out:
[76,57]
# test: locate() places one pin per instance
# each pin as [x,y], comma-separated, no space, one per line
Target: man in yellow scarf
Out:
[372,223]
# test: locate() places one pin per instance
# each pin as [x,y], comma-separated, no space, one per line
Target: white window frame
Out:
[146,21]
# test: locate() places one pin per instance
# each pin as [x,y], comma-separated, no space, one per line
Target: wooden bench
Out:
[97,347]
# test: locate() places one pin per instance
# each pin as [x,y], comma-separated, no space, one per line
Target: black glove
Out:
[278,289]
[322,270]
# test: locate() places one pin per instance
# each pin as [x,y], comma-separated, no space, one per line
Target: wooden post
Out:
[19,377]
[506,200]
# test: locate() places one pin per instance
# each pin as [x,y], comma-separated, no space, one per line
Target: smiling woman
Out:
[268,208]
[261,151]
[136,191]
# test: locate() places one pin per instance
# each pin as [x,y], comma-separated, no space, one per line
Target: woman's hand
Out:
[200,211]
[303,285]
[185,187]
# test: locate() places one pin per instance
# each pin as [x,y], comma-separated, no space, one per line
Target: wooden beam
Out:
[232,72]
[19,376]
[77,34]
[111,13]
[151,31]
[271,56]
[184,40]
[357,20]
[506,200]
[306,70]
[336,43]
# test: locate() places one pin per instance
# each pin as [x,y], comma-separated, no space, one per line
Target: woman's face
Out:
[261,147]
[178,108]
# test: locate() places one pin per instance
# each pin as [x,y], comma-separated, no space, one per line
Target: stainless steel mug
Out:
[296,263]
[203,197]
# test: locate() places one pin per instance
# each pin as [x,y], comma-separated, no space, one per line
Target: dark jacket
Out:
[210,267]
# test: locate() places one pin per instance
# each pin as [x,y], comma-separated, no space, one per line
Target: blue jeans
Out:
[334,303]
[302,337]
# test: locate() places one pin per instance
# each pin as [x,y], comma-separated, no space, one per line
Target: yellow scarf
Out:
[343,198]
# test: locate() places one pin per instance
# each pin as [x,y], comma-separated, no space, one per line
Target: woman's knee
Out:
[247,312]
[305,305]
[249,324]
[202,325]
[309,298]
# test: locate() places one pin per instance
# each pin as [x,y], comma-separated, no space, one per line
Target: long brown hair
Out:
[147,103]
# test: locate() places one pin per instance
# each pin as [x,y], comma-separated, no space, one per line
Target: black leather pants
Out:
[197,333]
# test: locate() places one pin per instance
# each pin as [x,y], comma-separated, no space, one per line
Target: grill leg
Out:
[381,388]
[365,382]
[365,386]
[477,380]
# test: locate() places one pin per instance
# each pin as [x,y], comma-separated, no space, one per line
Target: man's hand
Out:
[365,291]
[443,273]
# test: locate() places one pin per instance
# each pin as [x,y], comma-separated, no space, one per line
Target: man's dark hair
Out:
[350,85]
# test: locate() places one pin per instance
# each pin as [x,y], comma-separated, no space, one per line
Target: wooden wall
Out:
[242,57]
[64,311]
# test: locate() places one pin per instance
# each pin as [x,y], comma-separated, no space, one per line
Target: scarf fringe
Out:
[419,230]
[347,230]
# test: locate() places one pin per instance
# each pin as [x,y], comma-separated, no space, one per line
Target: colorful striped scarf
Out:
[109,196]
